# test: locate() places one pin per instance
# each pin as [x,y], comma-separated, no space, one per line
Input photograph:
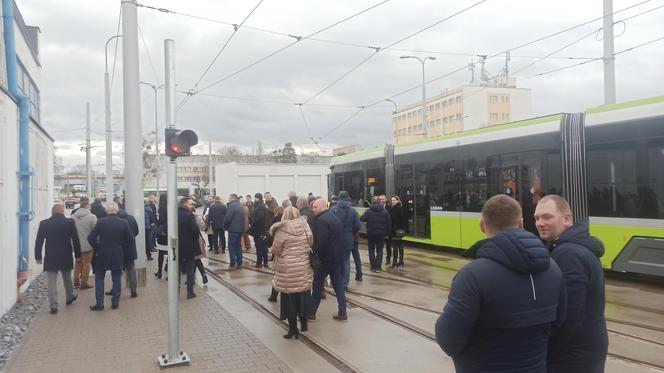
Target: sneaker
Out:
[358,278]
[340,317]
[205,280]
[115,306]
[97,307]
[72,300]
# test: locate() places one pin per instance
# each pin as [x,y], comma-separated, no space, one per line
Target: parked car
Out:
[71,203]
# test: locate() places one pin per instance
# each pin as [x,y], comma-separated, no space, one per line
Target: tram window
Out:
[653,195]
[612,180]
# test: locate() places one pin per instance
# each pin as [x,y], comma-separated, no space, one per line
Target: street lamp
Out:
[425,124]
[396,110]
[107,119]
[155,88]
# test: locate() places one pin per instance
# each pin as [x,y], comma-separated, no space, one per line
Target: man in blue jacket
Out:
[581,343]
[234,224]
[350,221]
[501,307]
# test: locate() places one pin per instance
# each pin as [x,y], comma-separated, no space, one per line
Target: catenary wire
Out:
[147,52]
[377,50]
[115,54]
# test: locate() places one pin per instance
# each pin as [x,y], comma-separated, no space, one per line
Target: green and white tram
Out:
[608,162]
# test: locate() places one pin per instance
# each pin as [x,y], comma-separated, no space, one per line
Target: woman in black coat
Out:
[188,246]
[162,235]
[398,231]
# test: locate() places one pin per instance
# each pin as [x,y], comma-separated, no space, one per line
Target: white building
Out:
[465,108]
[276,178]
[41,156]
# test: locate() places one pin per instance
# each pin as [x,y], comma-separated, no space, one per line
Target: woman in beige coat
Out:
[293,275]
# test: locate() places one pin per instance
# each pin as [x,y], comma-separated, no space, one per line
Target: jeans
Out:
[131,273]
[335,270]
[357,260]
[261,251]
[148,242]
[376,243]
[82,269]
[52,283]
[346,267]
[235,248]
[116,276]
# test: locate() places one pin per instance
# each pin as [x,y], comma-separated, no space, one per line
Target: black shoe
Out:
[345,288]
[401,263]
[387,261]
[293,333]
[109,293]
[157,275]
[72,300]
[191,295]
[271,299]
[134,294]
[97,307]
[153,250]
[303,324]
[358,278]
[340,317]
[54,310]
[115,306]
[205,280]
[150,258]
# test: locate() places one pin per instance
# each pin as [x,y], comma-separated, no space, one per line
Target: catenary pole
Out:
[609,56]
[175,356]
[107,124]
[88,173]
[132,131]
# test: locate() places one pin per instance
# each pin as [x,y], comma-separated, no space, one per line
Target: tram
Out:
[608,162]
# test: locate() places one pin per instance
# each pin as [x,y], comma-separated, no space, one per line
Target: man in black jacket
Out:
[112,241]
[189,248]
[259,223]
[501,307]
[379,226]
[61,239]
[129,259]
[329,248]
[581,343]
[215,218]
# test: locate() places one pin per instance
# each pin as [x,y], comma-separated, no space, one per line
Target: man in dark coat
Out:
[259,223]
[112,241]
[132,254]
[378,227]
[502,306]
[188,246]
[234,224]
[328,245]
[98,209]
[350,221]
[215,218]
[61,239]
[581,343]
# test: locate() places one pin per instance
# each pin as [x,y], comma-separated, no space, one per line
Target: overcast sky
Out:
[74,33]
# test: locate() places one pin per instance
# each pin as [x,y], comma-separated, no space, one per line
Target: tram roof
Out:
[362,155]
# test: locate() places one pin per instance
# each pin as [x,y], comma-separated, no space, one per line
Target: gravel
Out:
[16,321]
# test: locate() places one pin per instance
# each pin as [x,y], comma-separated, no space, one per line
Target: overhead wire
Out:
[147,52]
[115,54]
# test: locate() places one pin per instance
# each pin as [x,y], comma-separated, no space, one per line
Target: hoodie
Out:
[85,222]
[581,343]
[501,307]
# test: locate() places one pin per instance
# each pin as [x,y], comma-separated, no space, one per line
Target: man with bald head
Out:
[328,246]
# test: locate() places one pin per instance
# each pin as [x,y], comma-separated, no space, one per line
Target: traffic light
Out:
[179,142]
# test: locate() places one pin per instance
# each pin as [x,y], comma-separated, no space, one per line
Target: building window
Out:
[450,101]
[458,99]
[458,117]
[493,99]
[431,108]
[438,122]
[419,112]
[437,105]
[507,99]
[29,88]
[444,119]
[493,116]
[444,103]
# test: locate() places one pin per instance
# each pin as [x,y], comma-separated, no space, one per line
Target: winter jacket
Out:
[188,234]
[97,209]
[581,343]
[85,222]
[259,220]
[349,220]
[131,254]
[291,245]
[501,307]
[149,217]
[216,216]
[61,239]
[234,219]
[328,238]
[378,220]
[112,241]
[397,217]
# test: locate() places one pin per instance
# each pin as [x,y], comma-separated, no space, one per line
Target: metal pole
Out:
[107,120]
[425,124]
[395,117]
[175,356]
[88,174]
[609,57]
[132,131]
[156,139]
[210,188]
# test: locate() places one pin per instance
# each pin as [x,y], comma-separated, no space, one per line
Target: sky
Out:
[238,104]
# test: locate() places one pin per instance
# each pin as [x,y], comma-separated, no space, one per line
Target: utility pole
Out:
[609,56]
[107,120]
[425,124]
[88,175]
[175,356]
[132,130]
[210,185]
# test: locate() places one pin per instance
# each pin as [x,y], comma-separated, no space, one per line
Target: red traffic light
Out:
[175,148]
[179,142]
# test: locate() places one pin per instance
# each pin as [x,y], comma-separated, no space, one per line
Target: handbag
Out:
[399,233]
[314,260]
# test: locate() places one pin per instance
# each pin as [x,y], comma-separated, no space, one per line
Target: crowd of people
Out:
[524,304]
